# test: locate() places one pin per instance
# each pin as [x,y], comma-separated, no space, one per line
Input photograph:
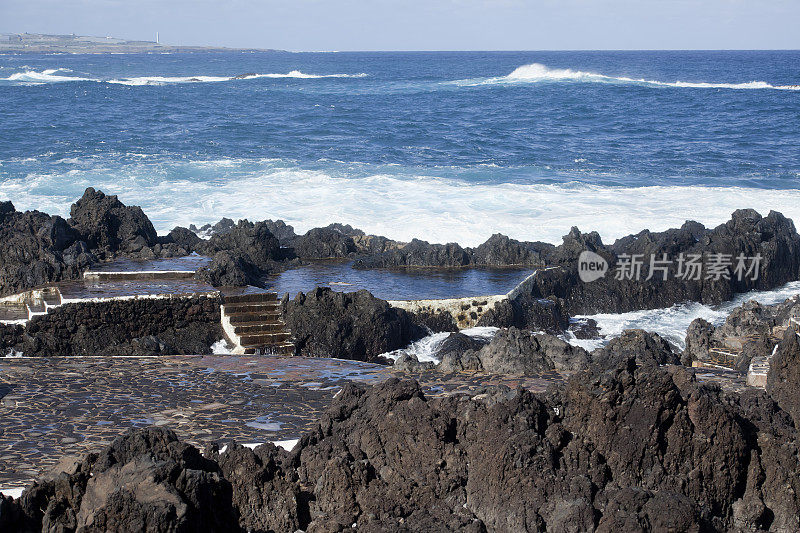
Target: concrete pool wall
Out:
[465,311]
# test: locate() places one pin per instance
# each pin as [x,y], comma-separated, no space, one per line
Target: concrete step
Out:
[240,309]
[243,319]
[722,357]
[757,373]
[286,348]
[264,339]
[52,300]
[260,297]
[255,325]
[254,328]
[37,306]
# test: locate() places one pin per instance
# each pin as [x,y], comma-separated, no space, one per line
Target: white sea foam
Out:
[52,76]
[672,323]
[45,76]
[425,349]
[536,72]
[287,445]
[397,206]
[13,493]
[302,75]
[221,347]
[163,80]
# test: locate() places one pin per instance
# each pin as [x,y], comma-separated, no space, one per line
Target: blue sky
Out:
[422,24]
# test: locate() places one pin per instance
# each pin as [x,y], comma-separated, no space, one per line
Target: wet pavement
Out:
[66,406]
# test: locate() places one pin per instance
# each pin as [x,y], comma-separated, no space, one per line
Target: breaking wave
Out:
[33,77]
[163,80]
[672,322]
[45,76]
[402,204]
[536,72]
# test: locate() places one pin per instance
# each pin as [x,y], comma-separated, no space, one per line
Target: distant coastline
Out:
[37,43]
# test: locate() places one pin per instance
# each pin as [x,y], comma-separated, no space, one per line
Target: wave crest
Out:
[33,77]
[536,72]
[45,76]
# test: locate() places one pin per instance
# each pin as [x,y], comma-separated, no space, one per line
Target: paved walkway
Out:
[63,406]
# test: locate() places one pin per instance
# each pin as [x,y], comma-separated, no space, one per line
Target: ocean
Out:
[444,146]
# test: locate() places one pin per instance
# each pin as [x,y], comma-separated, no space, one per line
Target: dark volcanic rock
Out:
[497,251]
[511,351]
[12,517]
[783,378]
[527,312]
[633,448]
[184,238]
[36,249]
[698,341]
[760,346]
[500,251]
[567,359]
[436,322]
[107,224]
[324,243]
[353,325]
[365,474]
[345,229]
[750,326]
[282,231]
[410,363]
[6,208]
[374,244]
[244,255]
[773,236]
[145,481]
[156,326]
[636,344]
[751,318]
[519,465]
[418,253]
[11,337]
[457,353]
[458,361]
[458,342]
[584,328]
[266,494]
[223,226]
[230,269]
[514,351]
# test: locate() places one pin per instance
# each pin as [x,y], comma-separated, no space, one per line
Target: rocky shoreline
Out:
[627,439]
[634,446]
[37,249]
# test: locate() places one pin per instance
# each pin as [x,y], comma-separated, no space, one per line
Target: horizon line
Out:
[400,50]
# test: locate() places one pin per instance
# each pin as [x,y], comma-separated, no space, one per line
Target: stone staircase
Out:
[22,307]
[253,324]
[723,356]
[759,368]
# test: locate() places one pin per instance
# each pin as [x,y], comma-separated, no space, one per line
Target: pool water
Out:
[417,284]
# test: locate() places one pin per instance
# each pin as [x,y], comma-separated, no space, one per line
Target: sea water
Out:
[440,146]
[445,146]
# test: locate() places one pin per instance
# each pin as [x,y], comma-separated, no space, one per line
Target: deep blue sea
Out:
[442,146]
